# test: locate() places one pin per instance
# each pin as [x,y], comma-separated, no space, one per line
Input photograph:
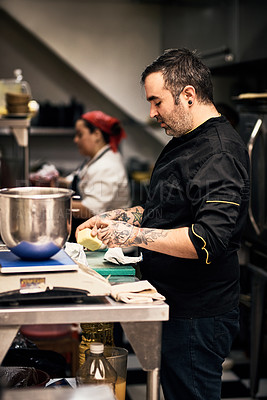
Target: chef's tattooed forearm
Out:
[117,234]
[131,215]
[146,236]
[124,235]
[107,214]
[118,215]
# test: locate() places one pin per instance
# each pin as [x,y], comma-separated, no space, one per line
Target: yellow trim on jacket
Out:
[223,201]
[204,247]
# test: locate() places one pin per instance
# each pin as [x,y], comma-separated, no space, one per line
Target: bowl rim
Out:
[36,192]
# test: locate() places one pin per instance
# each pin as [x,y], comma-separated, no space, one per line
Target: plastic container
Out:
[96,369]
[117,357]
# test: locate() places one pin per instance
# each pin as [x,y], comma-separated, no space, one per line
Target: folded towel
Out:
[135,292]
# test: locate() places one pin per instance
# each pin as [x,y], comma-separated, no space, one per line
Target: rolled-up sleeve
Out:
[219,194]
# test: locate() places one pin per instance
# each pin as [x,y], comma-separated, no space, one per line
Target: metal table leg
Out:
[145,339]
[153,384]
[7,335]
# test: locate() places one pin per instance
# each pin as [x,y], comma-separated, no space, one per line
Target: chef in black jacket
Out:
[191,225]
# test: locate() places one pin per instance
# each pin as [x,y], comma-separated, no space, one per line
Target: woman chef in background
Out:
[101,182]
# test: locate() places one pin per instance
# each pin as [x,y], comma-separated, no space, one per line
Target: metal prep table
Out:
[142,323]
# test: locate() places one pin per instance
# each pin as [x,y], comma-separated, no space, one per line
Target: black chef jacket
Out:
[200,181]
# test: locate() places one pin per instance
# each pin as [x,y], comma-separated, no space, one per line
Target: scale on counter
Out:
[30,291]
[61,261]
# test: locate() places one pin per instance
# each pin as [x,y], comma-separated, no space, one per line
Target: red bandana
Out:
[105,123]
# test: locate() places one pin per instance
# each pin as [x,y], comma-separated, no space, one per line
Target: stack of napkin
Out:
[135,292]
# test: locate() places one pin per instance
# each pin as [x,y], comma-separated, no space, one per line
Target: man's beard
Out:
[179,121]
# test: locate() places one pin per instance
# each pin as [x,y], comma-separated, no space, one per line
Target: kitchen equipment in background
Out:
[58,115]
[139,173]
[17,103]
[252,110]
[18,91]
[16,110]
[14,151]
[35,222]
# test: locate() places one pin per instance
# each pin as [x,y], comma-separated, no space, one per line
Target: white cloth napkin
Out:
[115,255]
[76,252]
[135,292]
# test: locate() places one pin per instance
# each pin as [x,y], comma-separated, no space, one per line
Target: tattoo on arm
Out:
[115,214]
[123,217]
[122,234]
[137,217]
[146,236]
[131,215]
[118,234]
[127,235]
[106,215]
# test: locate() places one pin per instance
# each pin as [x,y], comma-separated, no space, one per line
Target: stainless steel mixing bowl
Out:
[35,222]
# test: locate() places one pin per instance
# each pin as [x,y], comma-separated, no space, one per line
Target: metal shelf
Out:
[53,131]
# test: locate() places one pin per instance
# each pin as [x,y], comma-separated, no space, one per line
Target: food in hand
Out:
[87,240]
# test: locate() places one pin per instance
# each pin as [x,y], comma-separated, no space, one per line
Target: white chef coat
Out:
[103,184]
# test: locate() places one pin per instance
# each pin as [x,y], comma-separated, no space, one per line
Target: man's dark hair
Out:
[181,67]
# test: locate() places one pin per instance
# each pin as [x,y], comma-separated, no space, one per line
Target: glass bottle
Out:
[96,369]
[97,332]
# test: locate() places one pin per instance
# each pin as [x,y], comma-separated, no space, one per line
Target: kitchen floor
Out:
[235,380]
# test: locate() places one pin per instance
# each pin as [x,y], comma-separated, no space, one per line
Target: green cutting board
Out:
[96,261]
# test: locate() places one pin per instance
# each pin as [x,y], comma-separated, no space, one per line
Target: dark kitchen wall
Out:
[205,25]
[223,31]
[230,35]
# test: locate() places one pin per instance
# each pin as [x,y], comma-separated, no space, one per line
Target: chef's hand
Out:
[99,220]
[112,233]
[93,223]
[118,233]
